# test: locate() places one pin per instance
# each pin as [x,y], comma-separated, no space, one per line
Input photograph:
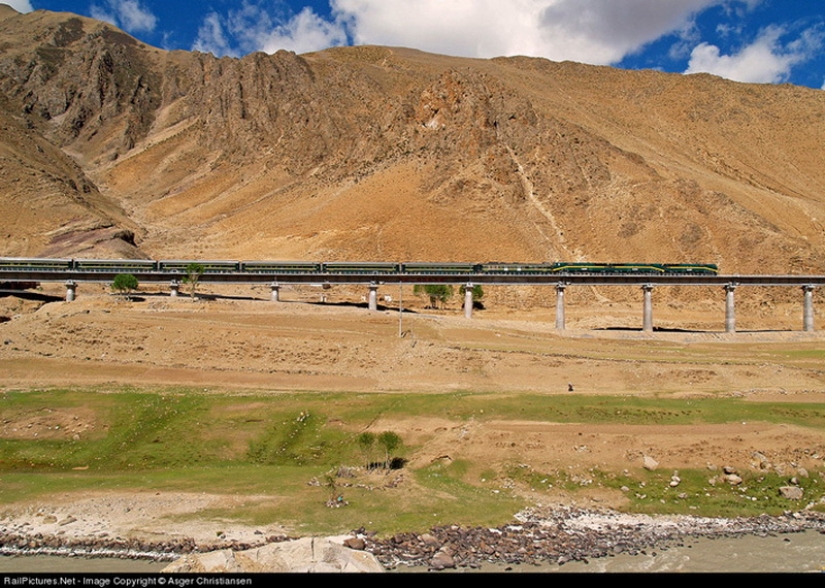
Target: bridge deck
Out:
[367,278]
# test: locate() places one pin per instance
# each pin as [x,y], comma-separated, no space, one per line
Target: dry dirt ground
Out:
[240,340]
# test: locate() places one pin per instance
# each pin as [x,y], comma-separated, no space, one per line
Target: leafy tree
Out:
[437,293]
[478,293]
[125,284]
[390,442]
[194,271]
[366,440]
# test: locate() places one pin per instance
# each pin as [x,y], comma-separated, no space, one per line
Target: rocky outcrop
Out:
[318,555]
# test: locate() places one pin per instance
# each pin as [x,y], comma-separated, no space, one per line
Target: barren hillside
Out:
[386,153]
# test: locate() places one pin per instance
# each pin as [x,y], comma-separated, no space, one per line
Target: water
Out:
[787,553]
[53,564]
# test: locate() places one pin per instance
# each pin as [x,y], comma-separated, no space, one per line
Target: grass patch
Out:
[698,493]
[300,439]
[542,481]
[453,498]
[707,493]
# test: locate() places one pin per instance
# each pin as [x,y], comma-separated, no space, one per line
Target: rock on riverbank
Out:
[309,554]
[562,536]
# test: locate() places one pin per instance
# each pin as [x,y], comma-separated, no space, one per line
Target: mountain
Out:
[113,148]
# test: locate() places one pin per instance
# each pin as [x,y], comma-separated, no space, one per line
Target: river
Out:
[785,553]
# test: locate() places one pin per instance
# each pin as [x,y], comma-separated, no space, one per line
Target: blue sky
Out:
[760,41]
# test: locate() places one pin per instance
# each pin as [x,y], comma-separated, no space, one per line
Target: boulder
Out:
[791,492]
[355,543]
[442,560]
[649,463]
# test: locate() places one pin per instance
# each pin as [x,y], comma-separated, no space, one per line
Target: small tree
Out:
[437,293]
[366,440]
[125,284]
[194,271]
[390,442]
[332,486]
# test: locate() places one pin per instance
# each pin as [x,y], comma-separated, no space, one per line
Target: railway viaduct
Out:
[373,280]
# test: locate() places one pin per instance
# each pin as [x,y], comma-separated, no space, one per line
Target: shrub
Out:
[125,284]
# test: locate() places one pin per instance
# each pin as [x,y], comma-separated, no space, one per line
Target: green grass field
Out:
[276,444]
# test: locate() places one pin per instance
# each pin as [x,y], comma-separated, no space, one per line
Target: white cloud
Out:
[305,32]
[766,60]
[471,28]
[135,17]
[211,37]
[591,31]
[129,15]
[19,5]
[605,31]
[251,28]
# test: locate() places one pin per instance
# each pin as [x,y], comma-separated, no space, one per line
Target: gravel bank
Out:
[534,538]
[561,536]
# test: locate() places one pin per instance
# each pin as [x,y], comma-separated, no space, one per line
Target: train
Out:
[179,266]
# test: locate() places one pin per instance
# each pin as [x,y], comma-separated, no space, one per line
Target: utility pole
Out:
[400,308]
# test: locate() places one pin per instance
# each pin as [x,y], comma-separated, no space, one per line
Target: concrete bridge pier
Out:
[808,308]
[174,286]
[276,292]
[373,298]
[730,309]
[560,306]
[71,291]
[647,321]
[468,301]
